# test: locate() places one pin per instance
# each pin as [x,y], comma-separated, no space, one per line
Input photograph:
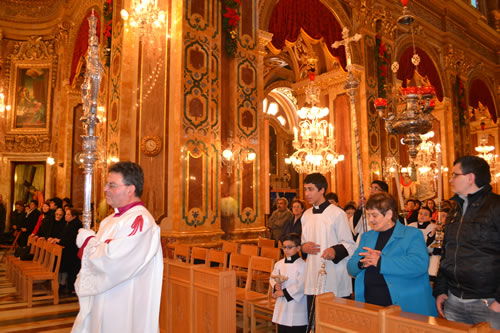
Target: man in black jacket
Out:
[468,282]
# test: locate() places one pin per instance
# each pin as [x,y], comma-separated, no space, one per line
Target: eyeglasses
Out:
[113,186]
[288,247]
[455,175]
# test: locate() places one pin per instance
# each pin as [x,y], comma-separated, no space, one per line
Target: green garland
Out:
[382,58]
[230,19]
[108,29]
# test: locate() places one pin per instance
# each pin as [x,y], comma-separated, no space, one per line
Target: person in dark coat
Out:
[45,228]
[31,219]
[294,225]
[70,263]
[59,224]
[18,217]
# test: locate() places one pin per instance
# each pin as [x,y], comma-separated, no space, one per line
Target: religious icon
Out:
[31,97]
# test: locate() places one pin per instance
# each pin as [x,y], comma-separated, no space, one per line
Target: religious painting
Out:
[30,93]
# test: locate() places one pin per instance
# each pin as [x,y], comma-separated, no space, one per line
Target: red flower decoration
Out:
[380,102]
[233,17]
[107,30]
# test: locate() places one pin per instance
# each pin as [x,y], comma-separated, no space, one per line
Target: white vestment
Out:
[327,229]
[119,284]
[294,312]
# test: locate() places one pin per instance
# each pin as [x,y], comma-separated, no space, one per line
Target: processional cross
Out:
[351,85]
[90,94]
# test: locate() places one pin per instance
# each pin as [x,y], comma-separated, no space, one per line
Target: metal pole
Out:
[90,94]
[351,85]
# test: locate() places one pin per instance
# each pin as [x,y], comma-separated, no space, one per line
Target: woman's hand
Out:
[371,257]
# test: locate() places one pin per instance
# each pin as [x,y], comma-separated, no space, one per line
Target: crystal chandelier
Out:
[488,154]
[415,118]
[144,14]
[314,140]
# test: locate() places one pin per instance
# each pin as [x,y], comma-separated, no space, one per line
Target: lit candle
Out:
[331,130]
[440,175]
[295,134]
[398,188]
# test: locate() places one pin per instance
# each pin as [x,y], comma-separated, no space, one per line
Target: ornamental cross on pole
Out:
[345,42]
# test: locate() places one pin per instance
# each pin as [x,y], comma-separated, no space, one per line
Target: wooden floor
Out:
[15,316]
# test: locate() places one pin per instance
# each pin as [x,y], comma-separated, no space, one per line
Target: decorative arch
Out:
[287,105]
[480,92]
[427,67]
[288,17]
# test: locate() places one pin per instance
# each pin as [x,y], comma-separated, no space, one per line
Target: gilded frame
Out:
[30,96]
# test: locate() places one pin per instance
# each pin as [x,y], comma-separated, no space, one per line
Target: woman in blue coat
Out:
[391,263]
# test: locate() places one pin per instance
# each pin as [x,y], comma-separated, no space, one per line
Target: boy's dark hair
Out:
[292,237]
[317,180]
[332,196]
[349,206]
[383,185]
[35,202]
[19,202]
[132,175]
[427,209]
[476,165]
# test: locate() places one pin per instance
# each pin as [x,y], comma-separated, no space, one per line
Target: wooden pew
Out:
[342,315]
[335,314]
[214,300]
[178,303]
[396,320]
[196,298]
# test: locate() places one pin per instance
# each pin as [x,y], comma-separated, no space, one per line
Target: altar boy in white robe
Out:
[287,280]
[326,238]
[119,284]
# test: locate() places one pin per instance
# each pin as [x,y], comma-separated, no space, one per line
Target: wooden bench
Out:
[342,315]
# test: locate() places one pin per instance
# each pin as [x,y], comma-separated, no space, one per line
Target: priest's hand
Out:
[328,254]
[83,234]
[278,293]
[310,248]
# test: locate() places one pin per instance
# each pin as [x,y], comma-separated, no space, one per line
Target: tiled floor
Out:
[15,316]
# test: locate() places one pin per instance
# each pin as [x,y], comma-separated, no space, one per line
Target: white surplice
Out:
[119,284]
[293,312]
[327,229]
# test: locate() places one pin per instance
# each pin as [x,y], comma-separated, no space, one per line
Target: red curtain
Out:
[82,43]
[479,92]
[425,68]
[289,16]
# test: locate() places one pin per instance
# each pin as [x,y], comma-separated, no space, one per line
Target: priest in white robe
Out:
[119,284]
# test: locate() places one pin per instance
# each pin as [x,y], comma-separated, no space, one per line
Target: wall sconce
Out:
[228,155]
[51,160]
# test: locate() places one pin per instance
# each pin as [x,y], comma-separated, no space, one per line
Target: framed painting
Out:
[31,96]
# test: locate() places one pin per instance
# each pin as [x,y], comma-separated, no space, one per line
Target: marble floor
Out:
[44,316]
